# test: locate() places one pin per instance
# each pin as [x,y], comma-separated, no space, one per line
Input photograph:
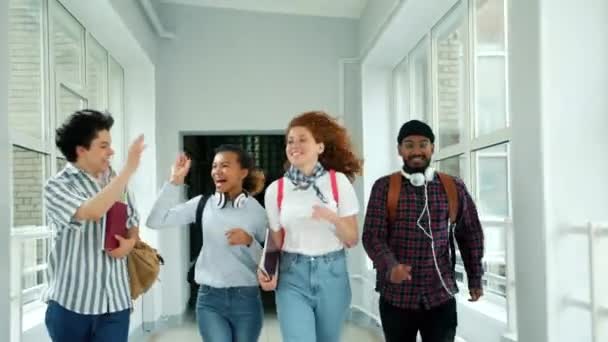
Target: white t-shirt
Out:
[303,234]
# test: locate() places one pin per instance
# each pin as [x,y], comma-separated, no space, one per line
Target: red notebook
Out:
[116,224]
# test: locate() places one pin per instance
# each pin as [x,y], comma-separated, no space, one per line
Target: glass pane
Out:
[453,166]
[402,93]
[97,74]
[490,25]
[25,67]
[493,182]
[68,103]
[116,108]
[420,82]
[34,254]
[450,55]
[28,179]
[60,164]
[491,94]
[67,45]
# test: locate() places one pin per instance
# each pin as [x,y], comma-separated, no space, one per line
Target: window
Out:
[97,74]
[490,64]
[28,178]
[450,81]
[420,82]
[25,104]
[468,110]
[48,81]
[401,90]
[67,46]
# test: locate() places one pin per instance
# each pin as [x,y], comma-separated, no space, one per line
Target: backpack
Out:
[198,223]
[449,186]
[334,190]
[143,265]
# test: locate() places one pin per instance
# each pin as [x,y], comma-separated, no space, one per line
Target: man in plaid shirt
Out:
[413,259]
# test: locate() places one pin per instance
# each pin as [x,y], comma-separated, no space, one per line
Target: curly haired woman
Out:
[312,214]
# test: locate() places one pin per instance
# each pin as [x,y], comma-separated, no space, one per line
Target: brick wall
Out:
[25,60]
[449,73]
[28,178]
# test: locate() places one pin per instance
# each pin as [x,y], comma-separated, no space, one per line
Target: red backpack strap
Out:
[394,189]
[280,191]
[334,185]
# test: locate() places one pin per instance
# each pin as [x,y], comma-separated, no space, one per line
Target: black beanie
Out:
[415,127]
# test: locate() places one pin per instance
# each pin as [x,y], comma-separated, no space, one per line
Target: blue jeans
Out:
[232,314]
[313,297]
[64,325]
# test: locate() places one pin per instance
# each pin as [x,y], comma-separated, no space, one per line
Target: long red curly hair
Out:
[338,153]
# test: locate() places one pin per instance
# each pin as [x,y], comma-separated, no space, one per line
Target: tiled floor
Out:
[270,333]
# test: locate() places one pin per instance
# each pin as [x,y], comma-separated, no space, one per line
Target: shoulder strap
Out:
[334,186]
[199,214]
[280,193]
[394,188]
[450,189]
[280,190]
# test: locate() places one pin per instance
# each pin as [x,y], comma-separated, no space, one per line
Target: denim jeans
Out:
[232,314]
[313,297]
[64,325]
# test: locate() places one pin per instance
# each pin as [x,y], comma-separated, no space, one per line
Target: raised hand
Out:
[134,155]
[180,169]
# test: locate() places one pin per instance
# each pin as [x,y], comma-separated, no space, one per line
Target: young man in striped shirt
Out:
[88,288]
[411,243]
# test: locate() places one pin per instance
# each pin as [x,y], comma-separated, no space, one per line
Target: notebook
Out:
[116,224]
[271,253]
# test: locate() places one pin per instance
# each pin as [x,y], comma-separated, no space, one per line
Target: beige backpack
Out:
[143,264]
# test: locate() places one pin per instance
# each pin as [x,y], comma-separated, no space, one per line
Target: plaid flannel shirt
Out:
[406,243]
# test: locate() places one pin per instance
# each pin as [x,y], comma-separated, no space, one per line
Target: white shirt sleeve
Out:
[272,207]
[349,204]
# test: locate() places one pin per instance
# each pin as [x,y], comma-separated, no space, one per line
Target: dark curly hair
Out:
[338,153]
[80,129]
[254,182]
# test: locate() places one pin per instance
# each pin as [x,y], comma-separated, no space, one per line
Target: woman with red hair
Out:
[312,213]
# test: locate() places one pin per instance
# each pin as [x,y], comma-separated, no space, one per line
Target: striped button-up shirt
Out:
[82,277]
[406,243]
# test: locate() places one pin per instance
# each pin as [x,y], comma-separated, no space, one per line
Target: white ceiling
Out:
[323,8]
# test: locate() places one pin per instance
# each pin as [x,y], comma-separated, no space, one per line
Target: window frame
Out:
[28,312]
[470,142]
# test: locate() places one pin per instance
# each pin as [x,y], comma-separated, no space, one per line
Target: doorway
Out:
[268,151]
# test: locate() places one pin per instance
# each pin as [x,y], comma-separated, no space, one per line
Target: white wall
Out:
[528,188]
[131,13]
[554,74]
[373,18]
[5,201]
[229,71]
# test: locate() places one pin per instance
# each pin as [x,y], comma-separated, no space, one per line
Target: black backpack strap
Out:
[199,214]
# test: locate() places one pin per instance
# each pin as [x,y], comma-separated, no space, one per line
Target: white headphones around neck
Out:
[419,178]
[221,200]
